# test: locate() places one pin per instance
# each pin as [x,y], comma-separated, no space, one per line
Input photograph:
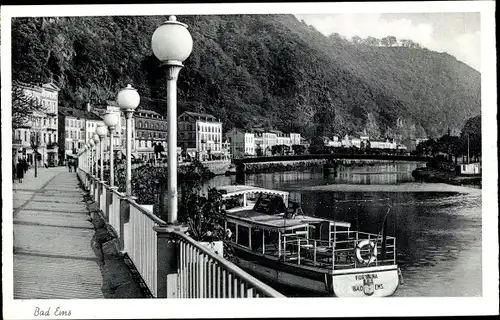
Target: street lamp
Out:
[87,158]
[111,120]
[172,44]
[91,163]
[102,132]
[128,99]
[96,139]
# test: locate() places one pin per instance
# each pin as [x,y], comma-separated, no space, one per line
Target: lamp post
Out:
[86,156]
[128,99]
[91,163]
[89,153]
[96,139]
[468,154]
[102,132]
[111,120]
[172,44]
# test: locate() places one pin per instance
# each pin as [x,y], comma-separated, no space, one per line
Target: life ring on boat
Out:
[373,250]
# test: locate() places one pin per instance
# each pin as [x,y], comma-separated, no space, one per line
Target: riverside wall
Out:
[218,167]
[272,166]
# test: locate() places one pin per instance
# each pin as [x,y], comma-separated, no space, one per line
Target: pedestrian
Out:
[69,165]
[20,170]
[75,164]
[25,165]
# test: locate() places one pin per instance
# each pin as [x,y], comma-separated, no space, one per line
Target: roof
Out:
[49,86]
[77,113]
[234,190]
[148,111]
[276,131]
[199,116]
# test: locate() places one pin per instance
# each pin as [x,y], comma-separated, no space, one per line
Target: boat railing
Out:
[339,253]
[170,263]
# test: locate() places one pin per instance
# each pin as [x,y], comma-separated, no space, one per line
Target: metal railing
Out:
[204,274]
[199,273]
[338,253]
[141,243]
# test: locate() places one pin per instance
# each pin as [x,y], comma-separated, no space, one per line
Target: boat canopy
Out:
[235,190]
[277,222]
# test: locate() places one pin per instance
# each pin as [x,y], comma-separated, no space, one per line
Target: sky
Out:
[455,33]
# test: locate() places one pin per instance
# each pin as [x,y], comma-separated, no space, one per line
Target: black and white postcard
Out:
[249,160]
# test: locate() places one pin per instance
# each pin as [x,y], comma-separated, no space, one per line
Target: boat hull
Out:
[378,281]
[375,282]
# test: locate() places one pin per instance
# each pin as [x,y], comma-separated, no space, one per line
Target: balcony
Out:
[51,145]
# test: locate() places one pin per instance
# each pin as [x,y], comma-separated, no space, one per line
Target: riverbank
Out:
[280,166]
[436,175]
[404,187]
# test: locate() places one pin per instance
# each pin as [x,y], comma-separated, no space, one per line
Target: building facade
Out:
[76,127]
[242,143]
[202,132]
[295,138]
[282,138]
[151,130]
[41,129]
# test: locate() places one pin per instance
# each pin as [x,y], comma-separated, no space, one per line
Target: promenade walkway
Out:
[55,254]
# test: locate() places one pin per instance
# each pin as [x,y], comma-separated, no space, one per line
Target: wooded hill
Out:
[247,70]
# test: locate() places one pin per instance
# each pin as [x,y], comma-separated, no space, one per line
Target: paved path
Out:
[53,255]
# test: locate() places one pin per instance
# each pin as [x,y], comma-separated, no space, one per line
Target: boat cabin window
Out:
[243,238]
[232,228]
[256,239]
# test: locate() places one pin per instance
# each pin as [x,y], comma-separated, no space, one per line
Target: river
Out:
[438,231]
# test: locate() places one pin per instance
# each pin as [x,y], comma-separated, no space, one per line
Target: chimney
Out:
[88,107]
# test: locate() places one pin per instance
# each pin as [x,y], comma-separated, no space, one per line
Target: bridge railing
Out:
[170,263]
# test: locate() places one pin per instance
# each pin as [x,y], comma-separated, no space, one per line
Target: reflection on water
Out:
[438,234]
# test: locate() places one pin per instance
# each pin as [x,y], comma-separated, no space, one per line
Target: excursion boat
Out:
[275,241]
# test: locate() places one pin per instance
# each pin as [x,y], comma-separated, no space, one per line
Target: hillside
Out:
[269,70]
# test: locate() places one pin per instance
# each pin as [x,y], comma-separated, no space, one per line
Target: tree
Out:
[372,41]
[449,145]
[317,146]
[23,106]
[280,149]
[471,137]
[392,41]
[356,40]
[389,41]
[298,149]
[428,147]
[204,215]
[258,151]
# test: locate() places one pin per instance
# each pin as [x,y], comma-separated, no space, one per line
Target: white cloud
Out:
[465,47]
